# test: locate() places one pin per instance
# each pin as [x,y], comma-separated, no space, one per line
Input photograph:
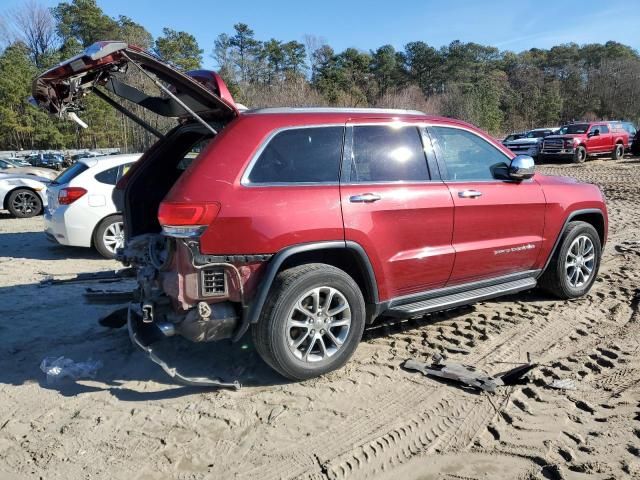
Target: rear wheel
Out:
[312,321]
[574,265]
[618,152]
[580,155]
[24,203]
[109,236]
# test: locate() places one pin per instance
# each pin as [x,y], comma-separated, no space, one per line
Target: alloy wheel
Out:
[580,261]
[318,324]
[25,203]
[113,236]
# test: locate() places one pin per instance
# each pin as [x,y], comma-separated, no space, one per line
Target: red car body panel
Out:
[421,236]
[564,196]
[407,234]
[499,232]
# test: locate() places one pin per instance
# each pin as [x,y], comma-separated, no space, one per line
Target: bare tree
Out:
[313,43]
[33,25]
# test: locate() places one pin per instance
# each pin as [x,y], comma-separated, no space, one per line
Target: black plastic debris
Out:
[467,375]
[107,296]
[115,319]
[100,277]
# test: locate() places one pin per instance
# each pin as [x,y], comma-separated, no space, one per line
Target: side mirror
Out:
[522,167]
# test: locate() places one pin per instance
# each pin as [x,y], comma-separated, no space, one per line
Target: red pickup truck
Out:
[577,141]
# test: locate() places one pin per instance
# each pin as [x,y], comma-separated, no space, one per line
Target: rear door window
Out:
[603,129]
[385,153]
[300,155]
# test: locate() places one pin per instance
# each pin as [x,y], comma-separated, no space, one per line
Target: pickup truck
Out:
[577,141]
[530,143]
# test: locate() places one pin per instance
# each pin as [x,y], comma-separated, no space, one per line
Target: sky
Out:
[509,25]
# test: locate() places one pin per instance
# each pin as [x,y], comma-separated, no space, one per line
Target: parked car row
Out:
[80,211]
[576,141]
[77,205]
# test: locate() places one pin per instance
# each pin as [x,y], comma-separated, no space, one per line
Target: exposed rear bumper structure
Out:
[145,334]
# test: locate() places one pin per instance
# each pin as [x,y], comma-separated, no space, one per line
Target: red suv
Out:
[304,225]
[577,141]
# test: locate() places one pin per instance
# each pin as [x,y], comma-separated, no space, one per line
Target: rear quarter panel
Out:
[256,219]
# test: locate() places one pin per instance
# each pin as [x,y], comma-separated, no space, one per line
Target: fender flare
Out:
[251,312]
[556,244]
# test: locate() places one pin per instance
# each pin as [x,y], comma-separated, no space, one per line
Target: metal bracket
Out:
[171,94]
[172,371]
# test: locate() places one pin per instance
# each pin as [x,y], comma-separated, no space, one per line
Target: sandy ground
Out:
[370,419]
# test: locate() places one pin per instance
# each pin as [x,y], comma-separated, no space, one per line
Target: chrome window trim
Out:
[244,180]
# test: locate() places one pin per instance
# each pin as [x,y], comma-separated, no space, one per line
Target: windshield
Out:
[575,128]
[537,134]
[513,136]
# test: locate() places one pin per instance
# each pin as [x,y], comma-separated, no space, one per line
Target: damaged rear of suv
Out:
[303,225]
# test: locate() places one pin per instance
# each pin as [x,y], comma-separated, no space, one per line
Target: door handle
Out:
[364,198]
[469,194]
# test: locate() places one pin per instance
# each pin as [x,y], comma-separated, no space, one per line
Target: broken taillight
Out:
[186,219]
[68,195]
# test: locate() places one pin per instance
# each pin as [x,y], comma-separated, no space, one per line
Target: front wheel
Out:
[574,265]
[618,152]
[312,321]
[580,155]
[24,203]
[109,236]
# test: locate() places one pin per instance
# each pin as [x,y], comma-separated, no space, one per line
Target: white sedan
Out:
[80,210]
[23,195]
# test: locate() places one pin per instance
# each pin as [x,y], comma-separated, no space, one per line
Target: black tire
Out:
[580,155]
[103,248]
[555,278]
[618,152]
[24,203]
[271,334]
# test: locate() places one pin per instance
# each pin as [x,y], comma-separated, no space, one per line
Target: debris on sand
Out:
[563,384]
[115,319]
[58,368]
[468,375]
[100,277]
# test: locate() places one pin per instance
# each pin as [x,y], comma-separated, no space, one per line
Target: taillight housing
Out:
[68,195]
[185,220]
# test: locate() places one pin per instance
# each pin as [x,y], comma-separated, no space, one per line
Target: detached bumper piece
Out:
[145,334]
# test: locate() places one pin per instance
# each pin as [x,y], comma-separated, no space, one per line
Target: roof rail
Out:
[392,111]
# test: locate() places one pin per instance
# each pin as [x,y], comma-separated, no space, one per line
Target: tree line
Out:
[500,91]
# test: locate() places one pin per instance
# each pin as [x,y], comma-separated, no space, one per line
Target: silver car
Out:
[23,195]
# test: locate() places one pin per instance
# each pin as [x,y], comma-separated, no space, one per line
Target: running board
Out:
[458,299]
